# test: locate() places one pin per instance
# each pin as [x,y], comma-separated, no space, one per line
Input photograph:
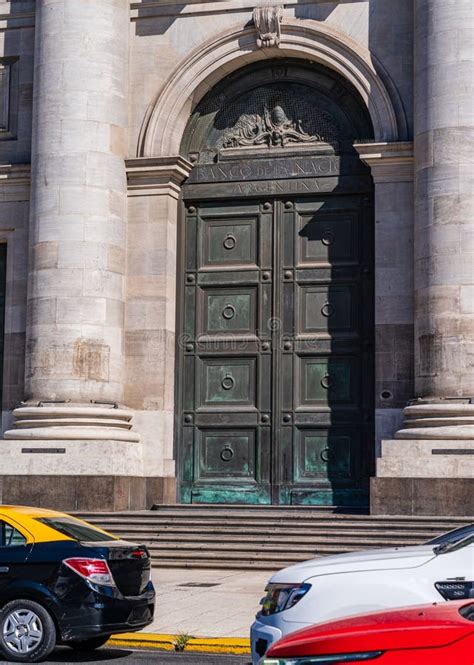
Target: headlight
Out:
[282,596]
[325,660]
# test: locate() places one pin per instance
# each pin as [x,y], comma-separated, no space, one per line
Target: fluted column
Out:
[444,226]
[78,205]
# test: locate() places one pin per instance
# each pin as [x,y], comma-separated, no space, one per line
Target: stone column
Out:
[76,285]
[444,227]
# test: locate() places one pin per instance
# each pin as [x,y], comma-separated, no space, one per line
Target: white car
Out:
[338,586]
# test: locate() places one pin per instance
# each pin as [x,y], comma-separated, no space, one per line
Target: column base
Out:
[74,422]
[438,419]
[87,493]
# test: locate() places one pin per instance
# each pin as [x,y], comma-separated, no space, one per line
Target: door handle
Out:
[4,569]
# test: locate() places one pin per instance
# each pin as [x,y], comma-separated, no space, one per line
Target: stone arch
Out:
[168,114]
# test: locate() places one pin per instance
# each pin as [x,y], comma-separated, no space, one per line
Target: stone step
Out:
[230,555]
[295,525]
[271,513]
[239,546]
[274,529]
[266,538]
[264,535]
[229,520]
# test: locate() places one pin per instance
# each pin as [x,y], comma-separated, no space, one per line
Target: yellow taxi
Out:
[64,581]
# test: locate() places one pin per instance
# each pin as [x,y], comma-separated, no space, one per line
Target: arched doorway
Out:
[275,371]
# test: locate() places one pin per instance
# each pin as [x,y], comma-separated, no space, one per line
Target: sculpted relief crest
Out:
[278,117]
[274,128]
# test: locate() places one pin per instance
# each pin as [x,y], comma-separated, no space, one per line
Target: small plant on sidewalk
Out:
[181,641]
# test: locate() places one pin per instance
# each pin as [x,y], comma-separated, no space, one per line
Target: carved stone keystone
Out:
[267,23]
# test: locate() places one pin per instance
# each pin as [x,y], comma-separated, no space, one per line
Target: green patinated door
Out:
[275,397]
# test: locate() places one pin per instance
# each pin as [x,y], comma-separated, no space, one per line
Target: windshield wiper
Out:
[451,547]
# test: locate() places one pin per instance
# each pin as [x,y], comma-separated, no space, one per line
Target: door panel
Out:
[319,453]
[226,381]
[326,236]
[227,311]
[327,402]
[325,382]
[226,242]
[227,361]
[327,309]
[276,401]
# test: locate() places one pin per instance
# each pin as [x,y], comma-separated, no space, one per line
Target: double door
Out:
[275,395]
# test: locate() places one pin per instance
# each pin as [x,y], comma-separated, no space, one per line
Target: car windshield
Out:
[451,547]
[76,529]
[453,536]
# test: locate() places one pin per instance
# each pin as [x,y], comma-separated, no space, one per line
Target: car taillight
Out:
[96,571]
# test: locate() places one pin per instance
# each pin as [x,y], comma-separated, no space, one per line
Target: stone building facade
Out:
[237,253]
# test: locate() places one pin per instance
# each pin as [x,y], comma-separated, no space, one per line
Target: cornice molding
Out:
[389,162]
[157,176]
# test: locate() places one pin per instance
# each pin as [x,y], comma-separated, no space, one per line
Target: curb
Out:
[230,645]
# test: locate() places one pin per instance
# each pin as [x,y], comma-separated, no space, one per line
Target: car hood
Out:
[406,628]
[386,559]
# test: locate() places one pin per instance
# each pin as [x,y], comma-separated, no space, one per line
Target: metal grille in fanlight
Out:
[290,109]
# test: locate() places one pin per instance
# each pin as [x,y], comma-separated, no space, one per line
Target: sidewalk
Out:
[224,610]
[215,607]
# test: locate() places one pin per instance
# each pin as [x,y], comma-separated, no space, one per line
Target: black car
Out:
[63,581]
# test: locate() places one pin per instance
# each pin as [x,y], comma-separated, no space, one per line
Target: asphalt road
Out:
[120,656]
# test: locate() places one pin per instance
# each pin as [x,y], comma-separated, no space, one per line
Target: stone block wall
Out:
[112,276]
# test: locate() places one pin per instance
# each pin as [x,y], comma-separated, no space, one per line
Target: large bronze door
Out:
[275,399]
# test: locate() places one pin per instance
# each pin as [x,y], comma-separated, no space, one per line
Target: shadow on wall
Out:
[17,53]
[317,12]
[156,21]
[391,41]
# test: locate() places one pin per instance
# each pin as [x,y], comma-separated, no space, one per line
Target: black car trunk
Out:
[129,564]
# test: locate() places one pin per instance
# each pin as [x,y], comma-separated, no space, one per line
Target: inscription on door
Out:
[275,400]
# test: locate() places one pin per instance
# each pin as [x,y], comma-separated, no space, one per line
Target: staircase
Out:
[262,537]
